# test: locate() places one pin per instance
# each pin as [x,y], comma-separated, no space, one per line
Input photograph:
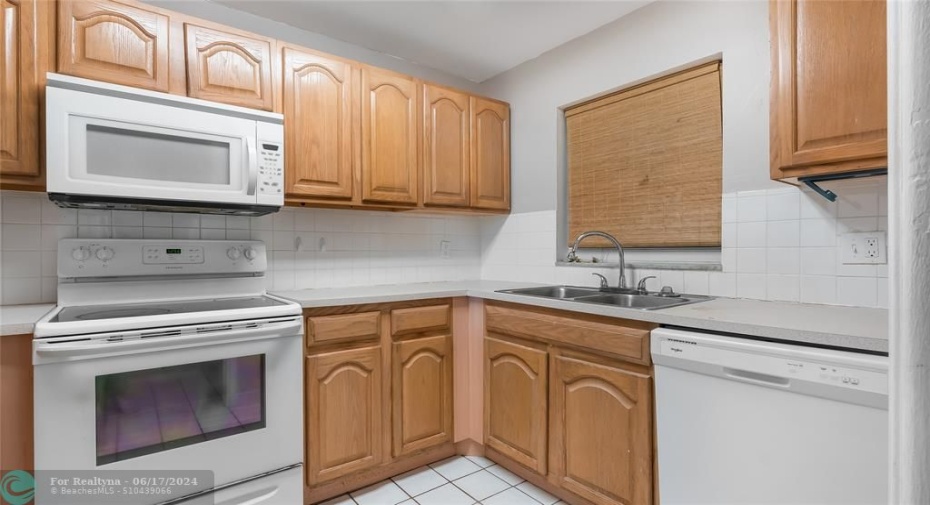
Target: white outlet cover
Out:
[444,246]
[863,248]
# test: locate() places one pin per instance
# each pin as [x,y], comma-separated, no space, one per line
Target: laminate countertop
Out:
[21,319]
[853,328]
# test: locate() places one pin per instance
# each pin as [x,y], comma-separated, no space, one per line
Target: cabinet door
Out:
[320,96]
[829,86]
[24,44]
[228,68]
[515,402]
[389,137]
[422,391]
[113,42]
[601,432]
[490,154]
[446,147]
[344,416]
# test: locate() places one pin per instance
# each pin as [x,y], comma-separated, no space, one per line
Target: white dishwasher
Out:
[745,422]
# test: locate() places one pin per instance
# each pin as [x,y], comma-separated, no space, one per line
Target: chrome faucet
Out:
[641,287]
[572,256]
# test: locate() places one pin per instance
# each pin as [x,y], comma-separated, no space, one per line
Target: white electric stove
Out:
[170,355]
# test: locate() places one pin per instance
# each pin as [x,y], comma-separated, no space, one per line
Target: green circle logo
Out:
[17,487]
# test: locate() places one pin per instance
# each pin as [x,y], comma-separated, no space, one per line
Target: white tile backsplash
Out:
[362,248]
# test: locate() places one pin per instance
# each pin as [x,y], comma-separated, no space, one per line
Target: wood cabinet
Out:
[228,67]
[515,402]
[344,413]
[422,393]
[569,403]
[320,126]
[490,154]
[601,431]
[25,48]
[16,403]
[114,42]
[446,147]
[389,137]
[829,87]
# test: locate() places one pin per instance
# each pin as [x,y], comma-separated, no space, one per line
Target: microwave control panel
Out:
[270,168]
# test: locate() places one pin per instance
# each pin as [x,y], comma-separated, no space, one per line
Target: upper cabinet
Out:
[229,68]
[389,137]
[446,147]
[320,126]
[113,42]
[829,88]
[490,154]
[24,43]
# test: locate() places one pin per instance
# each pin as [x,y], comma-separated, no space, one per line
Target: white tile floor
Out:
[459,480]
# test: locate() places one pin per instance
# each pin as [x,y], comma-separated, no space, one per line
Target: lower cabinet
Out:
[600,431]
[344,413]
[568,400]
[422,393]
[515,402]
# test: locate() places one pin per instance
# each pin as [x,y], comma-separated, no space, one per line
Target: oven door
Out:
[230,403]
[112,146]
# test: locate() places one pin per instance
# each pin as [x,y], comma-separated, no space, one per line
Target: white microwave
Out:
[116,147]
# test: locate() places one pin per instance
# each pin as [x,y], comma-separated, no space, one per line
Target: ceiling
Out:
[472,39]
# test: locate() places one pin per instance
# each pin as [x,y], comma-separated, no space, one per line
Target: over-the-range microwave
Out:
[116,147]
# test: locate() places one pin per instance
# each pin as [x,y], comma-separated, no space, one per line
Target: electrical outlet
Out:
[863,248]
[444,246]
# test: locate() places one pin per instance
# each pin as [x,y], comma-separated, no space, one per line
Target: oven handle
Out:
[251,161]
[99,347]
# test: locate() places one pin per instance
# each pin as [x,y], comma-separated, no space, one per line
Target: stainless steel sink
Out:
[558,292]
[627,299]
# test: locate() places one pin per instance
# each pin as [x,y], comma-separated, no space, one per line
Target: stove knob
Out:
[233,253]
[105,254]
[80,253]
[250,253]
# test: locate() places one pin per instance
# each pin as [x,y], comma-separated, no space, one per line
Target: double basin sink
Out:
[626,298]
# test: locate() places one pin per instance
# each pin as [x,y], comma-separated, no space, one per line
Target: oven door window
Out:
[148,411]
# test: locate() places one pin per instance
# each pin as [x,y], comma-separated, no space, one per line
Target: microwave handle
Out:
[251,161]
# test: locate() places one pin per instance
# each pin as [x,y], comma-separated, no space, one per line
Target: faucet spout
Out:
[572,251]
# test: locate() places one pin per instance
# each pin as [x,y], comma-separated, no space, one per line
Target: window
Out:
[645,164]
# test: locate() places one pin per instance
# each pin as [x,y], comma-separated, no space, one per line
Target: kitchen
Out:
[427,282]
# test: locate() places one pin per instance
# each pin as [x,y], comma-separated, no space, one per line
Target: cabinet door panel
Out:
[829,93]
[422,392]
[601,432]
[113,42]
[389,137]
[515,402]
[319,98]
[22,71]
[490,154]
[228,68]
[446,147]
[343,412]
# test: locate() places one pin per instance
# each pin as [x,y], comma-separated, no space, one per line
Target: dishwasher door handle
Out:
[757,378]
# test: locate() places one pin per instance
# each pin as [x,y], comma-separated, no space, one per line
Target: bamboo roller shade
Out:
[645,164]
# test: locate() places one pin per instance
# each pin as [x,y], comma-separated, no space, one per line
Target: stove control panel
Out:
[133,257]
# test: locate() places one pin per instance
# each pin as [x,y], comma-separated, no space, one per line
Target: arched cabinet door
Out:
[422,393]
[390,135]
[113,42]
[490,154]
[320,97]
[229,68]
[344,417]
[446,147]
[601,432]
[515,402]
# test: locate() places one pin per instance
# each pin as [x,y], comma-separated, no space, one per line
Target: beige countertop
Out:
[825,325]
[21,319]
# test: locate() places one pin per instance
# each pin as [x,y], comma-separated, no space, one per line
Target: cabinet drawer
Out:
[417,319]
[625,338]
[343,327]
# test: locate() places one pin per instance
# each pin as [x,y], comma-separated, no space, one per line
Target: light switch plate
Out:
[444,246]
[863,248]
